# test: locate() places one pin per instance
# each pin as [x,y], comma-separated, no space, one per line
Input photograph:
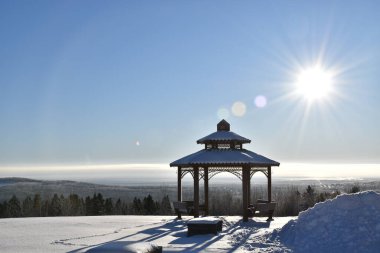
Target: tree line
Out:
[73,205]
[290,201]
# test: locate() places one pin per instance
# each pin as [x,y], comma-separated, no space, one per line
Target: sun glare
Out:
[314,83]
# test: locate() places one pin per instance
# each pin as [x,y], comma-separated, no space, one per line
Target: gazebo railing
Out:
[213,171]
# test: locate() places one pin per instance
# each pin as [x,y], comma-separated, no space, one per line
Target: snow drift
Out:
[348,223]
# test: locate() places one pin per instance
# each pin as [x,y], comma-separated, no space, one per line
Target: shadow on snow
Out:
[178,230]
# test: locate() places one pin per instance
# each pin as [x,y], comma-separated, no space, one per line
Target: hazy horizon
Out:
[145,174]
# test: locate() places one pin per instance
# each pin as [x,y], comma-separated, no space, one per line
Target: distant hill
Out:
[22,187]
[12,180]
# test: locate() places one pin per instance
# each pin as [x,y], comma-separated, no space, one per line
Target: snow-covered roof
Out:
[230,155]
[224,157]
[221,136]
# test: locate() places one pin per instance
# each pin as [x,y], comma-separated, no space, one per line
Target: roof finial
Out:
[223,126]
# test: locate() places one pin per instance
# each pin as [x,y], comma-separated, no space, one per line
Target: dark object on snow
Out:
[204,226]
[126,247]
[155,249]
[262,208]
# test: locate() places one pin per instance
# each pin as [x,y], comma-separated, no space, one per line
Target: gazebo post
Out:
[205,178]
[179,189]
[249,187]
[196,192]
[245,192]
[269,184]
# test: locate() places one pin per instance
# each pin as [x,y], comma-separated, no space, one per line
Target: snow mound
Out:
[348,223]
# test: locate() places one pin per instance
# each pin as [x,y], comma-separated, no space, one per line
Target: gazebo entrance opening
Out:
[223,152]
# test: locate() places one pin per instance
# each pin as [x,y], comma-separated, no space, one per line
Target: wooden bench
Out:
[186,207]
[262,208]
[204,225]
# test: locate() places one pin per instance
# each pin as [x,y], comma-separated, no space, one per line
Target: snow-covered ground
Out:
[348,223]
[86,234]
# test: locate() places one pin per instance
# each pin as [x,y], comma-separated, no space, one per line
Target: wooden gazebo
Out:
[223,152]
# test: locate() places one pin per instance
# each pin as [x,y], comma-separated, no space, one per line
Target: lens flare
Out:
[260,101]
[238,109]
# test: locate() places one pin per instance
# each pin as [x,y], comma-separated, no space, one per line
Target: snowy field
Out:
[348,223]
[87,234]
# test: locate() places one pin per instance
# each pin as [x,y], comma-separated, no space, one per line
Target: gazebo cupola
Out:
[223,152]
[223,138]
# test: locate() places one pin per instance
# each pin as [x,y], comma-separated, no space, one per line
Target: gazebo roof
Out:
[225,150]
[223,134]
[224,157]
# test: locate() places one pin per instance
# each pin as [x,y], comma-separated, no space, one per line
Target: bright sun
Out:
[314,83]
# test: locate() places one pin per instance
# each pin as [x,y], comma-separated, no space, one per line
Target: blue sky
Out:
[88,82]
